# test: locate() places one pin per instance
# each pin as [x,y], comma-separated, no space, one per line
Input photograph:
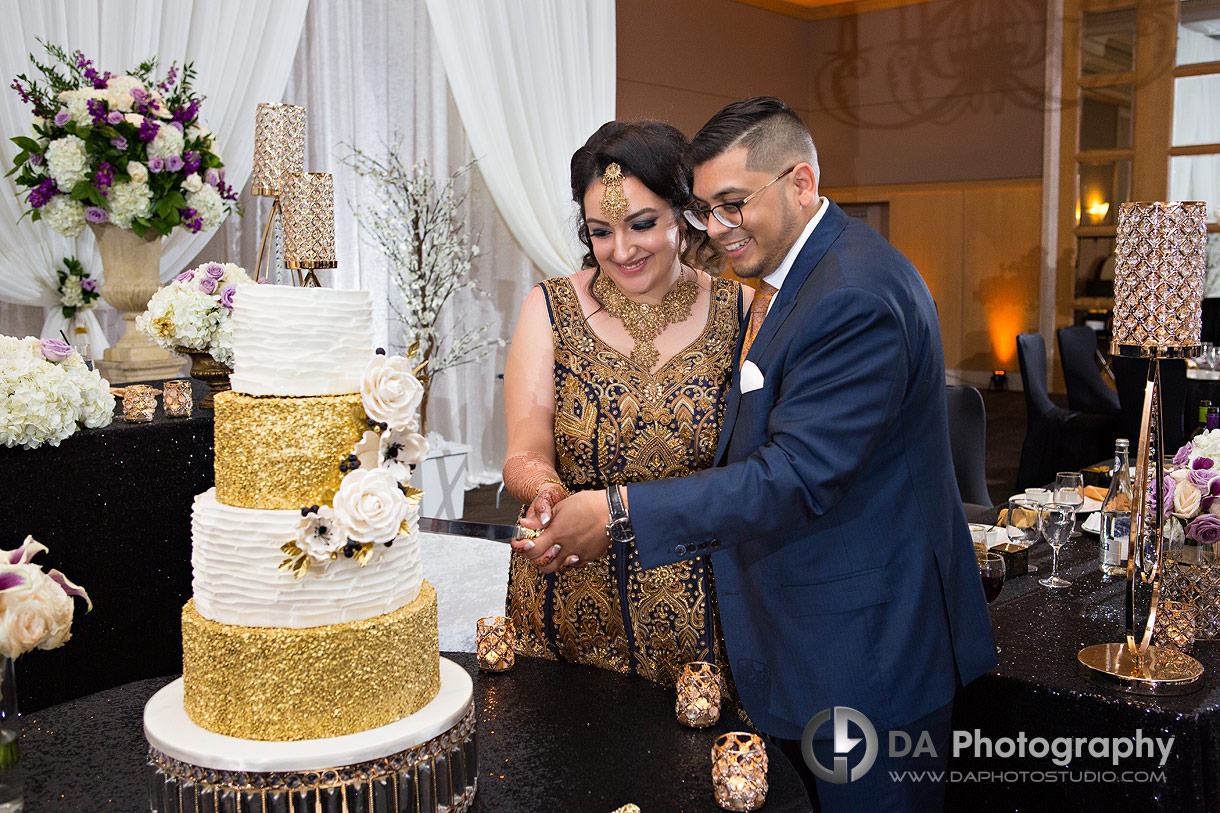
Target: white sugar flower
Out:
[370,505]
[390,393]
[320,534]
[67,162]
[401,449]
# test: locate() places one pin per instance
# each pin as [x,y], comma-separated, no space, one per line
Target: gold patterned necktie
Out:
[758,312]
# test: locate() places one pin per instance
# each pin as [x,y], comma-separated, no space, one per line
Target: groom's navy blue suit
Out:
[844,568]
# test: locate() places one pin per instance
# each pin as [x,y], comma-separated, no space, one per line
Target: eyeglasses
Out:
[727,213]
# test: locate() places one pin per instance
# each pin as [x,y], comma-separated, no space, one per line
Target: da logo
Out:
[844,744]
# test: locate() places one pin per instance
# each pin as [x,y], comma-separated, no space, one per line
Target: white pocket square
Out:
[751,377]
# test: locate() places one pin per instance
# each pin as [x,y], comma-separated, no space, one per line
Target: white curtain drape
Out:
[1196,120]
[532,80]
[242,54]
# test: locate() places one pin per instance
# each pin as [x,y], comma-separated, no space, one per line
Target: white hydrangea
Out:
[70,293]
[222,343]
[78,103]
[182,315]
[42,402]
[208,203]
[167,142]
[97,402]
[129,200]
[67,162]
[64,215]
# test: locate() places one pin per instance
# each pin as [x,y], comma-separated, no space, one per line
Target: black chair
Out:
[1056,439]
[1086,389]
[1131,376]
[968,438]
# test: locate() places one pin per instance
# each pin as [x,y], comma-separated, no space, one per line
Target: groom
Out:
[845,572]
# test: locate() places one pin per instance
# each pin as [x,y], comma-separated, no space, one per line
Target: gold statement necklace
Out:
[643,321]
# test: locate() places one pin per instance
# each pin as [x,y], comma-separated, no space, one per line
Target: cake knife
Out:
[477,530]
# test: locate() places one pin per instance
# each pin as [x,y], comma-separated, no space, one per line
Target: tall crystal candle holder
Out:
[739,771]
[279,146]
[309,221]
[495,640]
[698,704]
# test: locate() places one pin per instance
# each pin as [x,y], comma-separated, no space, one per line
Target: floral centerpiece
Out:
[47,391]
[1191,489]
[35,607]
[193,312]
[124,149]
[77,289]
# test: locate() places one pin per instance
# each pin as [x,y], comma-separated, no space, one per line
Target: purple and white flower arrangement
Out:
[194,311]
[1191,489]
[78,291]
[47,392]
[124,149]
[36,606]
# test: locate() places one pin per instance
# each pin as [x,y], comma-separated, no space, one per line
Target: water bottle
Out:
[1116,515]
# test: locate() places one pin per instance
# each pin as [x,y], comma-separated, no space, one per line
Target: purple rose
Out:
[36,159]
[1203,479]
[88,284]
[96,214]
[156,164]
[62,118]
[210,177]
[55,349]
[226,296]
[119,143]
[140,95]
[174,163]
[1183,455]
[214,270]
[177,125]
[114,117]
[1204,528]
[207,284]
[185,276]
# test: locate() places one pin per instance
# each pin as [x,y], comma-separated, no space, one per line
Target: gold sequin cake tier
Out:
[283,453]
[276,683]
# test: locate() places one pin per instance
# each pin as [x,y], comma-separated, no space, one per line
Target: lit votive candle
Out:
[494,640]
[739,771]
[139,403]
[698,703]
[177,398]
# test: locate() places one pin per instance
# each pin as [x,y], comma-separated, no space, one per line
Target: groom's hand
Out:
[577,528]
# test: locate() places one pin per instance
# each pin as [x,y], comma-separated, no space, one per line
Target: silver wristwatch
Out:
[619,526]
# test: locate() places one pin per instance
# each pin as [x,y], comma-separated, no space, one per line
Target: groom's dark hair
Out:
[772,133]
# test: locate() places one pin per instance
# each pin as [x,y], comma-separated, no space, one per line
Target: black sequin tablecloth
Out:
[552,737]
[1036,690]
[114,507]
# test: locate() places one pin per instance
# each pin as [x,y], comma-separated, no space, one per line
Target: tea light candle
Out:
[139,403]
[178,399]
[495,640]
[698,704]
[739,771]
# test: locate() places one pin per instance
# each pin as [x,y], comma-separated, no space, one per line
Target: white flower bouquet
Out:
[46,391]
[77,289]
[36,608]
[193,311]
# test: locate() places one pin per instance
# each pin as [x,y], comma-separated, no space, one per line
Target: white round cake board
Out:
[168,729]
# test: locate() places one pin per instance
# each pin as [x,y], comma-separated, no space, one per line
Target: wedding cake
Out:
[310,654]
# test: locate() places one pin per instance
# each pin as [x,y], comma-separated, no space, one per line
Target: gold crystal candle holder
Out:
[1160,260]
[178,398]
[309,221]
[698,703]
[139,403]
[279,146]
[1175,625]
[739,771]
[495,640]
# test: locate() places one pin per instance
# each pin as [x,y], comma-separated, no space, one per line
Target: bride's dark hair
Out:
[650,152]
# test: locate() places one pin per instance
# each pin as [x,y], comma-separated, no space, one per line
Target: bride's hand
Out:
[539,513]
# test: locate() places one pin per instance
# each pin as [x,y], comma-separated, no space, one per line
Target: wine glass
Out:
[991,568]
[1069,490]
[1058,519]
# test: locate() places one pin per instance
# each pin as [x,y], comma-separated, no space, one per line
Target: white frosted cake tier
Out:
[235,559]
[300,341]
[168,729]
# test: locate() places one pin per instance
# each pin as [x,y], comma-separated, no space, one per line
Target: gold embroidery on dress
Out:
[618,423]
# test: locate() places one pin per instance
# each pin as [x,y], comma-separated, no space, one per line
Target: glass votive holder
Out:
[177,398]
[1175,625]
[139,403]
[739,771]
[494,640]
[698,703]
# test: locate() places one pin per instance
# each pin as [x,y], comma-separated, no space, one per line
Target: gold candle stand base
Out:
[1161,672]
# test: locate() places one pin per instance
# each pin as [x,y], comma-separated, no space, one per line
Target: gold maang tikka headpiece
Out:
[614,201]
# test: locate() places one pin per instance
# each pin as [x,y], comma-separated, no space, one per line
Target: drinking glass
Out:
[991,569]
[1058,519]
[1023,521]
[1069,489]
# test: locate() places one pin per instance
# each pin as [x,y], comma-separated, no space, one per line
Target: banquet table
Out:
[551,737]
[114,507]
[1036,690]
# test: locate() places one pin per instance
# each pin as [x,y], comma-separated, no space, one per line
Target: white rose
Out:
[1186,497]
[42,618]
[1180,475]
[370,505]
[137,171]
[390,393]
[193,182]
[1207,444]
[134,119]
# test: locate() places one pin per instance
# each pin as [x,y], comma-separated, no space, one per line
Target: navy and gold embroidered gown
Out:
[617,423]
